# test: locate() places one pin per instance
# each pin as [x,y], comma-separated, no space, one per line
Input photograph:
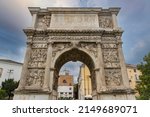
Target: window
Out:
[61,92]
[134,70]
[1,71]
[64,81]
[70,93]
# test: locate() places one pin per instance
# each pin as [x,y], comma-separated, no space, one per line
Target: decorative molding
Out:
[80,38]
[37,45]
[109,45]
[40,38]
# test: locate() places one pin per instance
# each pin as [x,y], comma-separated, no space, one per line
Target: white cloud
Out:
[56,3]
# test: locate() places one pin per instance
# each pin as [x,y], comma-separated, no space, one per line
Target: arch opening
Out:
[74,55]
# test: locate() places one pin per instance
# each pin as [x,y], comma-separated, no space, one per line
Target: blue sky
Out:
[134,18]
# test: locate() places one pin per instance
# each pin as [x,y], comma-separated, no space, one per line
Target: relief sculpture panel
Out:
[35,78]
[58,47]
[111,59]
[113,77]
[90,47]
[43,21]
[105,22]
[38,58]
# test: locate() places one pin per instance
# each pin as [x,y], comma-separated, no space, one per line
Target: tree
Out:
[144,86]
[3,94]
[9,86]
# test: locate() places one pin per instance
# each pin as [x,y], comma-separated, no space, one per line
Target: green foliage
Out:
[144,86]
[3,94]
[9,86]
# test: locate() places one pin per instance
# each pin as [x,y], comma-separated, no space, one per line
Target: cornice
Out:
[33,31]
[74,10]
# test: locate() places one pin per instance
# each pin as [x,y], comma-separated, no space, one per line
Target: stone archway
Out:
[90,35]
[74,55]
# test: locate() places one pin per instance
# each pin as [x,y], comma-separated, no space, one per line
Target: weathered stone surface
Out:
[59,35]
[74,21]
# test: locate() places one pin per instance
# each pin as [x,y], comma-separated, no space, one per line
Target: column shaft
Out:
[24,72]
[47,68]
[123,66]
[114,18]
[34,18]
[100,73]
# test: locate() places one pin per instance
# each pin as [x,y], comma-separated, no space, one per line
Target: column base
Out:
[114,94]
[35,95]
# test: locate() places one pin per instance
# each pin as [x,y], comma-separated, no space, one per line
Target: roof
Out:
[131,66]
[10,61]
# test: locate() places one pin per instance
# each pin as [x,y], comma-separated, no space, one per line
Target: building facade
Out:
[65,86]
[84,83]
[133,75]
[10,70]
[84,80]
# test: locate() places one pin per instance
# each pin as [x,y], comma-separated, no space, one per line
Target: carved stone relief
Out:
[90,47]
[39,45]
[40,39]
[112,65]
[75,38]
[110,55]
[38,58]
[107,46]
[109,39]
[105,22]
[58,47]
[43,21]
[35,78]
[113,77]
[111,59]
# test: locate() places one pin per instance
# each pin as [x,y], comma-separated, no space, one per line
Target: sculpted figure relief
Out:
[35,78]
[110,55]
[113,77]
[105,22]
[59,47]
[90,47]
[38,55]
[35,64]
[43,21]
[111,59]
[38,58]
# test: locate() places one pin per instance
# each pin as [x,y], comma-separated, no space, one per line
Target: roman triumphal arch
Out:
[59,35]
